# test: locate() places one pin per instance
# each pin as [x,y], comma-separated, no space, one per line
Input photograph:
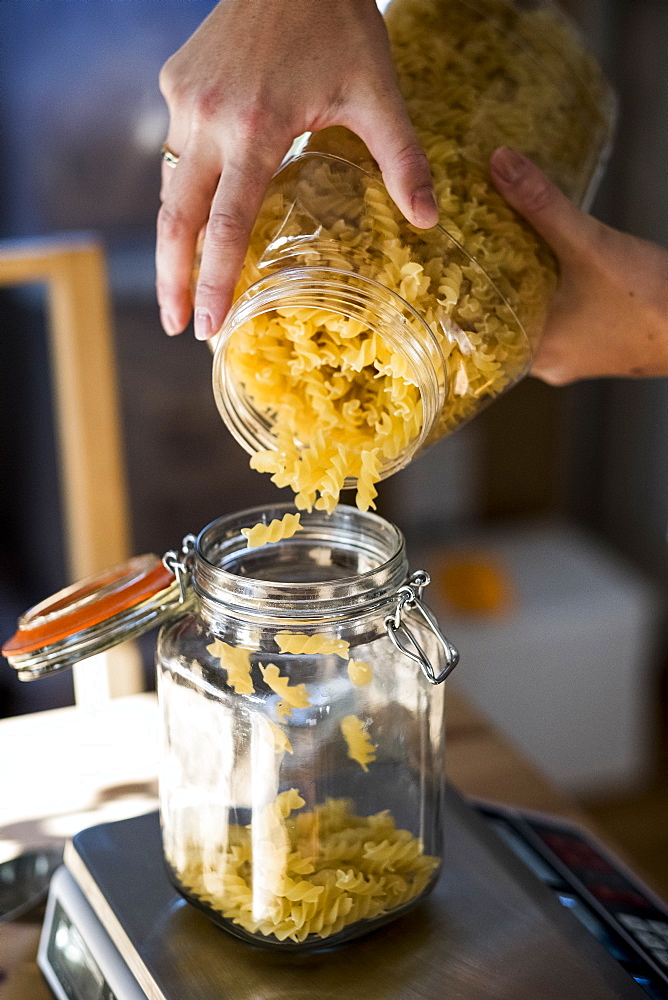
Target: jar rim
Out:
[351,563]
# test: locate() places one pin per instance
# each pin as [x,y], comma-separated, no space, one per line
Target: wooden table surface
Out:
[68,769]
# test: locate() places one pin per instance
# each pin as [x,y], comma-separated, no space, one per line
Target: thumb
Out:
[390,138]
[531,192]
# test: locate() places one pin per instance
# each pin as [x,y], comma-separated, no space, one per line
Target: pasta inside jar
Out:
[302,773]
[308,874]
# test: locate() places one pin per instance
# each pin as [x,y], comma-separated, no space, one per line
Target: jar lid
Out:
[93,615]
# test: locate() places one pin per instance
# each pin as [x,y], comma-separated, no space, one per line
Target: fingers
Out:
[235,205]
[530,191]
[187,193]
[390,137]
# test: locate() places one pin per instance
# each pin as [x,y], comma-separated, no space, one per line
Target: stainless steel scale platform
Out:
[496,927]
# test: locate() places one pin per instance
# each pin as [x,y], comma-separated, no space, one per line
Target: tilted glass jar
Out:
[302,772]
[354,331]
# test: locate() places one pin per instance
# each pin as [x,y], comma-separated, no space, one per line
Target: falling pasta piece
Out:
[275,531]
[281,742]
[360,747]
[294,695]
[298,643]
[369,473]
[283,711]
[360,672]
[236,661]
[288,801]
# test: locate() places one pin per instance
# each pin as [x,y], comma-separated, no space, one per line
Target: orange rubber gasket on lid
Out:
[149,582]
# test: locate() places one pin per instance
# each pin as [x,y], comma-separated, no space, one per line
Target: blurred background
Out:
[543,522]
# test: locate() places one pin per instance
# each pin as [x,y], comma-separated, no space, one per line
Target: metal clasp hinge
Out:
[180,564]
[410,596]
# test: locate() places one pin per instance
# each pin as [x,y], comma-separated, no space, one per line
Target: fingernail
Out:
[424,206]
[169,324]
[203,324]
[508,164]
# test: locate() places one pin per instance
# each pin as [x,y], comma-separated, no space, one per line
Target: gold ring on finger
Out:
[168,155]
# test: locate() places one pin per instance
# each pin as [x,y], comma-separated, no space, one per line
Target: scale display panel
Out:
[512,917]
[71,959]
[76,954]
[623,915]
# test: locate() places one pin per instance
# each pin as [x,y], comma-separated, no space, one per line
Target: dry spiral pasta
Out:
[474,75]
[367,476]
[275,531]
[236,661]
[283,710]
[360,747]
[279,739]
[292,695]
[360,673]
[385,221]
[300,643]
[294,875]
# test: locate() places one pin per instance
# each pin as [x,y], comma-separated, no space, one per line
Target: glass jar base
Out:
[314,943]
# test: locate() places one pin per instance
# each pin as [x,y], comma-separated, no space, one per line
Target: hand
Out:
[609,315]
[256,74]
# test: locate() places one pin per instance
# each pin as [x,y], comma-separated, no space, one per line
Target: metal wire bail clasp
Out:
[180,564]
[410,596]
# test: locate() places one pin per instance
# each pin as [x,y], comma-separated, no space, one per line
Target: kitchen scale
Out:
[526,908]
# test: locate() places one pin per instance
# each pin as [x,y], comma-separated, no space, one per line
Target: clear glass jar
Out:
[301,792]
[354,332]
[301,785]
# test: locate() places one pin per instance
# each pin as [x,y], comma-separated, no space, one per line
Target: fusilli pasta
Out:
[275,531]
[343,401]
[310,645]
[282,710]
[360,747]
[360,673]
[292,695]
[236,662]
[310,874]
[280,740]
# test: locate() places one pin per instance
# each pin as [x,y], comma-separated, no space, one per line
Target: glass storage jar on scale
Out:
[239,772]
[302,775]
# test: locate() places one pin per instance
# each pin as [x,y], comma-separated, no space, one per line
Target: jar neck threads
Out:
[339,566]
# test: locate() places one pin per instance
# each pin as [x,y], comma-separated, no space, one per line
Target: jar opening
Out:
[337,564]
[341,298]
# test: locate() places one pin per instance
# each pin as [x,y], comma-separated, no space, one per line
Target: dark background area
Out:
[82,121]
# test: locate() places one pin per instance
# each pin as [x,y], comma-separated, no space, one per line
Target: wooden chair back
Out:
[88,430]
